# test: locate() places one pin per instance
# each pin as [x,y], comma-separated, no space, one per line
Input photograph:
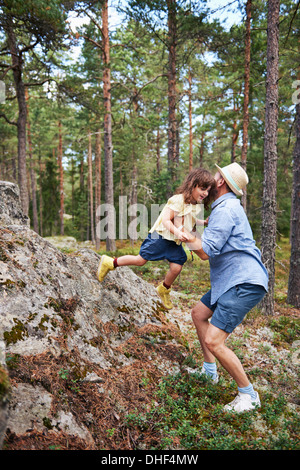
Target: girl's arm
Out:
[168,222]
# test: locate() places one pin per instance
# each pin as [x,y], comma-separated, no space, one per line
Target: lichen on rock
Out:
[56,315]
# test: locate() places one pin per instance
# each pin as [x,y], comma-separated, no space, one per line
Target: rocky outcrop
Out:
[73,347]
[10,205]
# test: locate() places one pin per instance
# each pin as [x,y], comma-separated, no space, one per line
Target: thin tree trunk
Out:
[294,276]
[90,187]
[158,151]
[172,130]
[246,95]
[268,237]
[32,173]
[201,151]
[21,123]
[190,123]
[235,134]
[109,189]
[133,195]
[41,194]
[133,201]
[61,178]
[98,182]
[81,185]
[72,188]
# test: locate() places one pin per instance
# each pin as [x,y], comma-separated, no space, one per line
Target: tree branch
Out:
[93,42]
[151,81]
[95,22]
[40,83]
[8,120]
[29,47]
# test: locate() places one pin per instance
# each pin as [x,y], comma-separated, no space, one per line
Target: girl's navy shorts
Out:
[155,248]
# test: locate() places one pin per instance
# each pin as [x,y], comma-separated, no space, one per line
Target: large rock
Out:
[10,205]
[63,330]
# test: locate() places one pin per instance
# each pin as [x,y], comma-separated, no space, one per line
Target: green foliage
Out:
[50,196]
[188,414]
[287,329]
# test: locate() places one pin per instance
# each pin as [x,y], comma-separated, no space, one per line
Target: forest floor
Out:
[188,411]
[269,348]
[182,410]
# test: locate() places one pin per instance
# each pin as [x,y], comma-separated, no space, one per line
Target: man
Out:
[239,281]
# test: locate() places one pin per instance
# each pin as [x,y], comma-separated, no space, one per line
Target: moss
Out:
[3,255]
[65,308]
[11,284]
[8,283]
[47,423]
[43,320]
[124,309]
[17,333]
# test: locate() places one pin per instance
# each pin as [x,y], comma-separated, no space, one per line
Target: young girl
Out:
[172,227]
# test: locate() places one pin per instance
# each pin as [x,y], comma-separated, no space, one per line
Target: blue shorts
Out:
[155,248]
[232,306]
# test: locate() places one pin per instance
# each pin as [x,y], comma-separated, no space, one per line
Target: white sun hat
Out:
[235,176]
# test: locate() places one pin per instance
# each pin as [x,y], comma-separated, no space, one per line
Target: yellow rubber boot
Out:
[164,295]
[106,264]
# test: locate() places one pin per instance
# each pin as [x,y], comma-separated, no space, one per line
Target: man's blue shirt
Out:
[228,241]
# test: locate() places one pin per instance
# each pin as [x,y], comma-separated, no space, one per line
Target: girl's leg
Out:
[130,260]
[172,274]
[108,264]
[164,289]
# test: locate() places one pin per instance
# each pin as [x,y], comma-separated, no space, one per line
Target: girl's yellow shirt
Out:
[187,211]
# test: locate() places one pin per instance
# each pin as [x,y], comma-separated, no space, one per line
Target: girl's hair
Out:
[197,177]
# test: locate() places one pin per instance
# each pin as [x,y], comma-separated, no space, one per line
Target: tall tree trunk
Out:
[190,123]
[72,188]
[82,191]
[90,187]
[98,182]
[32,173]
[201,150]
[17,63]
[158,151]
[294,277]
[246,95]
[109,189]
[61,178]
[133,201]
[235,133]
[172,130]
[133,194]
[268,237]
[41,193]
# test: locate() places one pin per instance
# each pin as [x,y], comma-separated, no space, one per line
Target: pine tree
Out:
[269,209]
[26,26]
